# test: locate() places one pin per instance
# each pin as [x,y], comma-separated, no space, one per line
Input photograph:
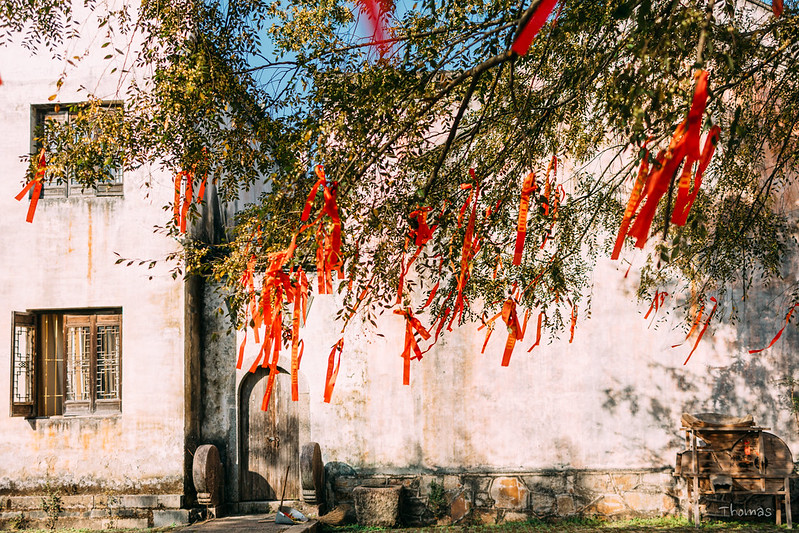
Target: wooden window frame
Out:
[93,404]
[69,189]
[16,408]
[71,318]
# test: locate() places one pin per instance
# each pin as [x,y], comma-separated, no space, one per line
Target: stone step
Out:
[96,519]
[95,501]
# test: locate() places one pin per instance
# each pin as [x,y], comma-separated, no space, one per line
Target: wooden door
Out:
[269,440]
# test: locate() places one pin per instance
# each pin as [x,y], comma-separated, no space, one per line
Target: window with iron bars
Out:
[66,363]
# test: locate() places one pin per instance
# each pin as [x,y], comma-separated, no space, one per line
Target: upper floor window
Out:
[66,363]
[83,155]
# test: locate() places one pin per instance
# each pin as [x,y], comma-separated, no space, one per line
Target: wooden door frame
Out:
[242,438]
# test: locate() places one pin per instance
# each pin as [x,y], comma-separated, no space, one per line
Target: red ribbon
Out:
[632,204]
[537,332]
[697,320]
[704,328]
[300,297]
[683,150]
[470,248]
[412,326]
[515,332]
[776,8]
[423,233]
[374,13]
[36,183]
[657,301]
[328,254]
[573,322]
[521,228]
[522,43]
[779,333]
[181,210]
[685,199]
[332,369]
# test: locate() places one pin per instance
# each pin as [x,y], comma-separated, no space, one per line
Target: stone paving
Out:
[260,523]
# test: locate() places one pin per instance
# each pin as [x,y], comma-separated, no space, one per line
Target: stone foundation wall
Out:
[99,511]
[489,498]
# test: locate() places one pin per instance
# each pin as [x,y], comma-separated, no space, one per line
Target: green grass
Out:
[584,525]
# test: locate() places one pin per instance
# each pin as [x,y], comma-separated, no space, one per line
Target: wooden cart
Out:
[735,459]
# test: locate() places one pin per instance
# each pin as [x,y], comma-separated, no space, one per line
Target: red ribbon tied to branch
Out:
[657,302]
[704,328]
[515,332]
[776,8]
[521,228]
[525,38]
[779,333]
[332,369]
[412,326]
[470,246]
[328,255]
[36,183]
[375,11]
[683,151]
[181,209]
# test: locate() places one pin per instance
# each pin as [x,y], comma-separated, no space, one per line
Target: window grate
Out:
[23,364]
[79,346]
[108,362]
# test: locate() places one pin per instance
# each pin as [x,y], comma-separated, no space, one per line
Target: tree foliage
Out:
[248,90]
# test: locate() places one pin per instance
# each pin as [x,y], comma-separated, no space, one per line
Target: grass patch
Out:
[583,525]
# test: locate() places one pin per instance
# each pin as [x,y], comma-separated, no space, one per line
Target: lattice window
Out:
[108,362]
[66,364]
[23,354]
[79,354]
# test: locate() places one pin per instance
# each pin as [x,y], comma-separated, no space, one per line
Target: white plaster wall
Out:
[612,399]
[65,259]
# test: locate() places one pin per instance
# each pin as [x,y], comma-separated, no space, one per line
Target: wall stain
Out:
[89,249]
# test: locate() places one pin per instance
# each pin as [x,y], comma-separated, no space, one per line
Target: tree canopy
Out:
[426,137]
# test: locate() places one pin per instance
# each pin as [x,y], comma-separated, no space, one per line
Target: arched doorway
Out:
[269,440]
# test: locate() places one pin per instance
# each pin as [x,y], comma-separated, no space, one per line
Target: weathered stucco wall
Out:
[612,399]
[65,260]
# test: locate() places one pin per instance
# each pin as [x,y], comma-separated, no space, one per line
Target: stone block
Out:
[169,517]
[565,504]
[411,484]
[545,483]
[650,503]
[509,493]
[609,505]
[127,523]
[138,501]
[77,502]
[482,483]
[481,499]
[169,501]
[512,516]
[486,517]
[626,482]
[377,506]
[459,507]
[643,502]
[22,503]
[452,483]
[542,503]
[594,483]
[425,481]
[658,480]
